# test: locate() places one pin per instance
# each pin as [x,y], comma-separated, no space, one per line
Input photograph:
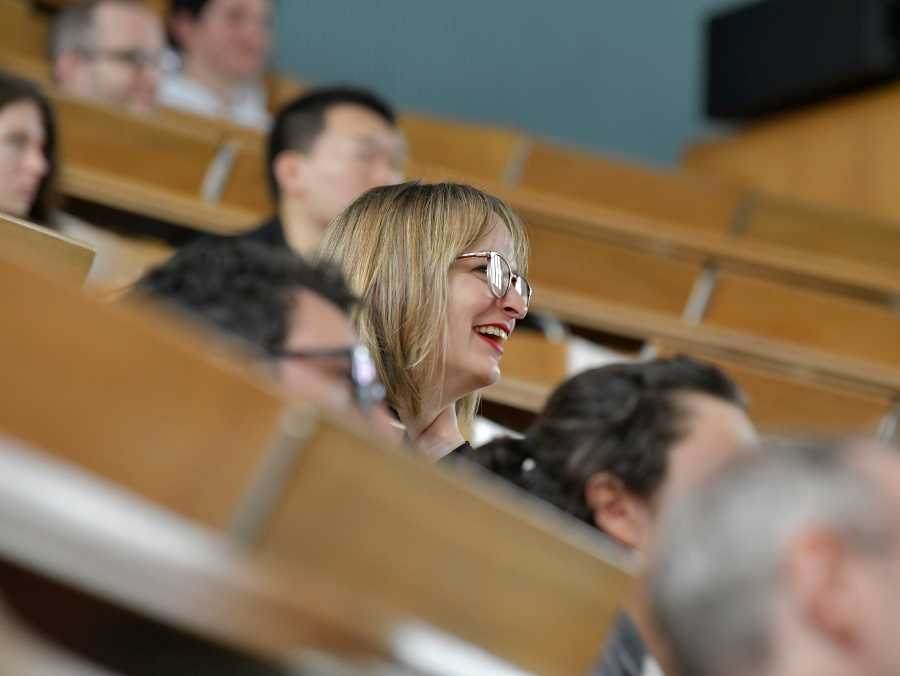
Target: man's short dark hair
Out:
[299,123]
[192,7]
[622,419]
[242,288]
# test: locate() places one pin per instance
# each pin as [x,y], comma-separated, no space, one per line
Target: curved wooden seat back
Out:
[45,250]
[520,580]
[782,402]
[477,152]
[130,396]
[673,200]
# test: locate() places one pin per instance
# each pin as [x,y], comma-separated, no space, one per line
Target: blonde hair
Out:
[395,245]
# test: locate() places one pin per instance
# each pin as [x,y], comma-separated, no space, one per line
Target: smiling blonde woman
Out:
[440,272]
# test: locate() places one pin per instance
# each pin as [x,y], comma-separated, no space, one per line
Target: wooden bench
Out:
[477,151]
[22,30]
[716,340]
[785,401]
[143,406]
[779,311]
[841,154]
[397,530]
[80,576]
[682,202]
[45,250]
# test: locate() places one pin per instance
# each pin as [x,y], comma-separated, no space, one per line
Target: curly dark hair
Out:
[242,288]
[621,419]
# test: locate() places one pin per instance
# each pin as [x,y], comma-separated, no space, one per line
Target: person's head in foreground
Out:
[109,51]
[224,43]
[786,562]
[291,314]
[614,443]
[440,272]
[27,151]
[326,148]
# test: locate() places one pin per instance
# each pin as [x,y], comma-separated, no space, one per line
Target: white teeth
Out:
[492,331]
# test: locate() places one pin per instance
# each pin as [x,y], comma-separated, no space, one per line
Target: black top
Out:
[271,232]
[459,452]
[625,651]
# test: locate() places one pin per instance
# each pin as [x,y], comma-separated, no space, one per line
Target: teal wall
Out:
[618,76]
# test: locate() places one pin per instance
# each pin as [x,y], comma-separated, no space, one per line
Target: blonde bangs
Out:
[391,242]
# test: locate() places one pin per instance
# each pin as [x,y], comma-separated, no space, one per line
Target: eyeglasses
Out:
[363,376]
[500,276]
[135,58]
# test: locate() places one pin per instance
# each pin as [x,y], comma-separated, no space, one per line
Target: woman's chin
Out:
[488,378]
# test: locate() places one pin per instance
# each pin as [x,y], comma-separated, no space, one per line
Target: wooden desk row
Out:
[578,251]
[769,274]
[166,413]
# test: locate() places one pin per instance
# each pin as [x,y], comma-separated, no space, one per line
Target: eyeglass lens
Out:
[500,276]
[368,390]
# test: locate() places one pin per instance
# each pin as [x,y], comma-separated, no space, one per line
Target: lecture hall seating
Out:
[500,572]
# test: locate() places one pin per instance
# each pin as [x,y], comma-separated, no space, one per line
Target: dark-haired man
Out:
[108,51]
[292,315]
[224,47]
[326,148]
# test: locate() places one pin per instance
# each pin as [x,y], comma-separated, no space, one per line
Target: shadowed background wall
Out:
[619,76]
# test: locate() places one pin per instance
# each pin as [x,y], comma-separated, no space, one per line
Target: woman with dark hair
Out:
[612,446]
[28,163]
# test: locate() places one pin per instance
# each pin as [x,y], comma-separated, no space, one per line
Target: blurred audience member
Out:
[327,148]
[612,447]
[292,315]
[785,563]
[27,152]
[109,51]
[224,46]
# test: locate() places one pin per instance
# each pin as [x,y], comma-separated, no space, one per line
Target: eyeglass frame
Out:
[366,395]
[133,58]
[512,276]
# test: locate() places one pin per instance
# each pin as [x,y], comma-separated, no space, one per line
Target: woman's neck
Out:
[434,432]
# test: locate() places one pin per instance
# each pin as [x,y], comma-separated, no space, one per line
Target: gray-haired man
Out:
[787,562]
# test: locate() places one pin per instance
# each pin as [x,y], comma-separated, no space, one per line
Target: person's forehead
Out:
[22,117]
[115,22]
[715,431]
[317,323]
[499,239]
[357,120]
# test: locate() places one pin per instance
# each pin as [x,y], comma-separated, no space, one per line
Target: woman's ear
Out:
[617,512]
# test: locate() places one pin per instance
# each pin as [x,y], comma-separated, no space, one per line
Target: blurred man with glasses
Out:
[292,316]
[109,51]
[326,148]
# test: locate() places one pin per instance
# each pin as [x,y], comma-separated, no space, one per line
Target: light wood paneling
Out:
[809,317]
[42,249]
[529,590]
[797,403]
[479,152]
[130,398]
[667,197]
[602,270]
